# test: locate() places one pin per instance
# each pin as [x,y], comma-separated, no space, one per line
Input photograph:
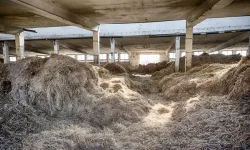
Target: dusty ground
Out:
[121,111]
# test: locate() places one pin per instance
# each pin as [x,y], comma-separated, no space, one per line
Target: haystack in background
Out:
[115,68]
[198,61]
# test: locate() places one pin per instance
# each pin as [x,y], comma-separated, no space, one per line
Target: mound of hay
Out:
[115,68]
[164,72]
[60,86]
[235,83]
[151,68]
[197,61]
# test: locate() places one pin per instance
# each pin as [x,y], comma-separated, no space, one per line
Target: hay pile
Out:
[115,68]
[198,61]
[150,68]
[59,103]
[235,83]
[60,87]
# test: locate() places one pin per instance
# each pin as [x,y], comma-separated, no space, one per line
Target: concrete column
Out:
[85,56]
[189,46]
[107,57]
[19,45]
[75,57]
[6,53]
[248,53]
[119,56]
[177,54]
[134,59]
[112,49]
[234,52]
[56,46]
[96,46]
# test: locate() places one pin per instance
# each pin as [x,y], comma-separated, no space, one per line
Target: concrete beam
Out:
[19,45]
[122,48]
[112,49]
[6,56]
[96,46]
[204,10]
[54,12]
[56,46]
[170,45]
[230,42]
[71,47]
[189,47]
[177,54]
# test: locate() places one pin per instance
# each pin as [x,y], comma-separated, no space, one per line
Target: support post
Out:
[189,46]
[85,58]
[177,54]
[108,58]
[19,45]
[119,56]
[96,46]
[112,45]
[6,53]
[249,46]
[56,46]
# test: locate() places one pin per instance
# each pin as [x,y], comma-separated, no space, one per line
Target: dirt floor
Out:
[59,103]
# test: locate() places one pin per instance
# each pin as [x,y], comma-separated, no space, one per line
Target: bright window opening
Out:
[41,56]
[80,57]
[171,55]
[12,59]
[197,53]
[116,56]
[214,53]
[90,57]
[72,56]
[103,56]
[183,54]
[242,53]
[149,58]
[124,57]
[227,52]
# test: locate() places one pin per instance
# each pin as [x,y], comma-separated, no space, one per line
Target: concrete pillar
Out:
[119,56]
[6,56]
[56,46]
[112,49]
[85,56]
[189,46]
[177,54]
[19,45]
[96,46]
[108,58]
[248,53]
[134,59]
[234,52]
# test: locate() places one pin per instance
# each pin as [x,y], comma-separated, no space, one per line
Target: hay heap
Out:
[59,103]
[115,68]
[235,83]
[198,61]
[62,87]
[150,68]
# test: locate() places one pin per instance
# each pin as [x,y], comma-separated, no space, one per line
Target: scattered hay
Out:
[115,68]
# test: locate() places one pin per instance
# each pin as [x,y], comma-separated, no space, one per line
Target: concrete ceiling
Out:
[13,15]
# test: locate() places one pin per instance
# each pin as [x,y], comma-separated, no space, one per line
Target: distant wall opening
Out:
[149,58]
